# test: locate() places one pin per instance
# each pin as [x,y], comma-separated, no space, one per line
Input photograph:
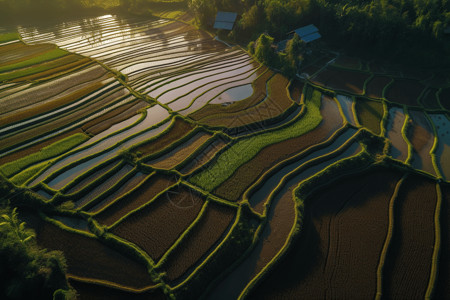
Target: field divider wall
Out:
[434,273]
[388,240]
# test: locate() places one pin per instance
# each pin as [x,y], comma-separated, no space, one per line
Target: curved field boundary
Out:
[406,127]
[230,64]
[248,148]
[183,153]
[437,246]
[119,149]
[281,103]
[113,285]
[211,86]
[34,114]
[219,262]
[269,173]
[43,175]
[63,119]
[111,144]
[183,236]
[119,207]
[70,126]
[90,198]
[299,200]
[388,240]
[87,182]
[146,78]
[147,204]
[49,152]
[172,146]
[201,239]
[434,159]
[195,162]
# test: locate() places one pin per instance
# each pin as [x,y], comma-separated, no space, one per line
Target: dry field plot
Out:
[341,245]
[443,280]
[141,195]
[156,226]
[408,264]
[404,91]
[88,258]
[375,86]
[211,227]
[342,80]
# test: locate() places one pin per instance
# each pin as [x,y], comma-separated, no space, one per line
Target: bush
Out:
[27,271]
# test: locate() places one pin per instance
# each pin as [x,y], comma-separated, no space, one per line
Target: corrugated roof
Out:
[225,20]
[306,30]
[311,37]
[223,25]
[223,16]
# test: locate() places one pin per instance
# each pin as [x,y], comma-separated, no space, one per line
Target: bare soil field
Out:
[348,81]
[348,62]
[374,88]
[442,289]
[408,263]
[155,227]
[152,186]
[430,100]
[325,261]
[212,226]
[444,98]
[246,174]
[88,258]
[405,91]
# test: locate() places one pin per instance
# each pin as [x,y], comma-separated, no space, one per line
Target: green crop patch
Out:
[8,37]
[247,148]
[52,54]
[53,150]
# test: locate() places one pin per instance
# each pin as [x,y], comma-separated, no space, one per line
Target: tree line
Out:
[396,29]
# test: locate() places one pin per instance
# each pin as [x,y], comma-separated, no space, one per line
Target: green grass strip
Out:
[24,176]
[437,245]
[246,149]
[53,150]
[388,240]
[52,54]
[10,36]
[434,159]
[406,126]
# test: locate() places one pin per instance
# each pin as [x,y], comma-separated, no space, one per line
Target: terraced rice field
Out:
[166,164]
